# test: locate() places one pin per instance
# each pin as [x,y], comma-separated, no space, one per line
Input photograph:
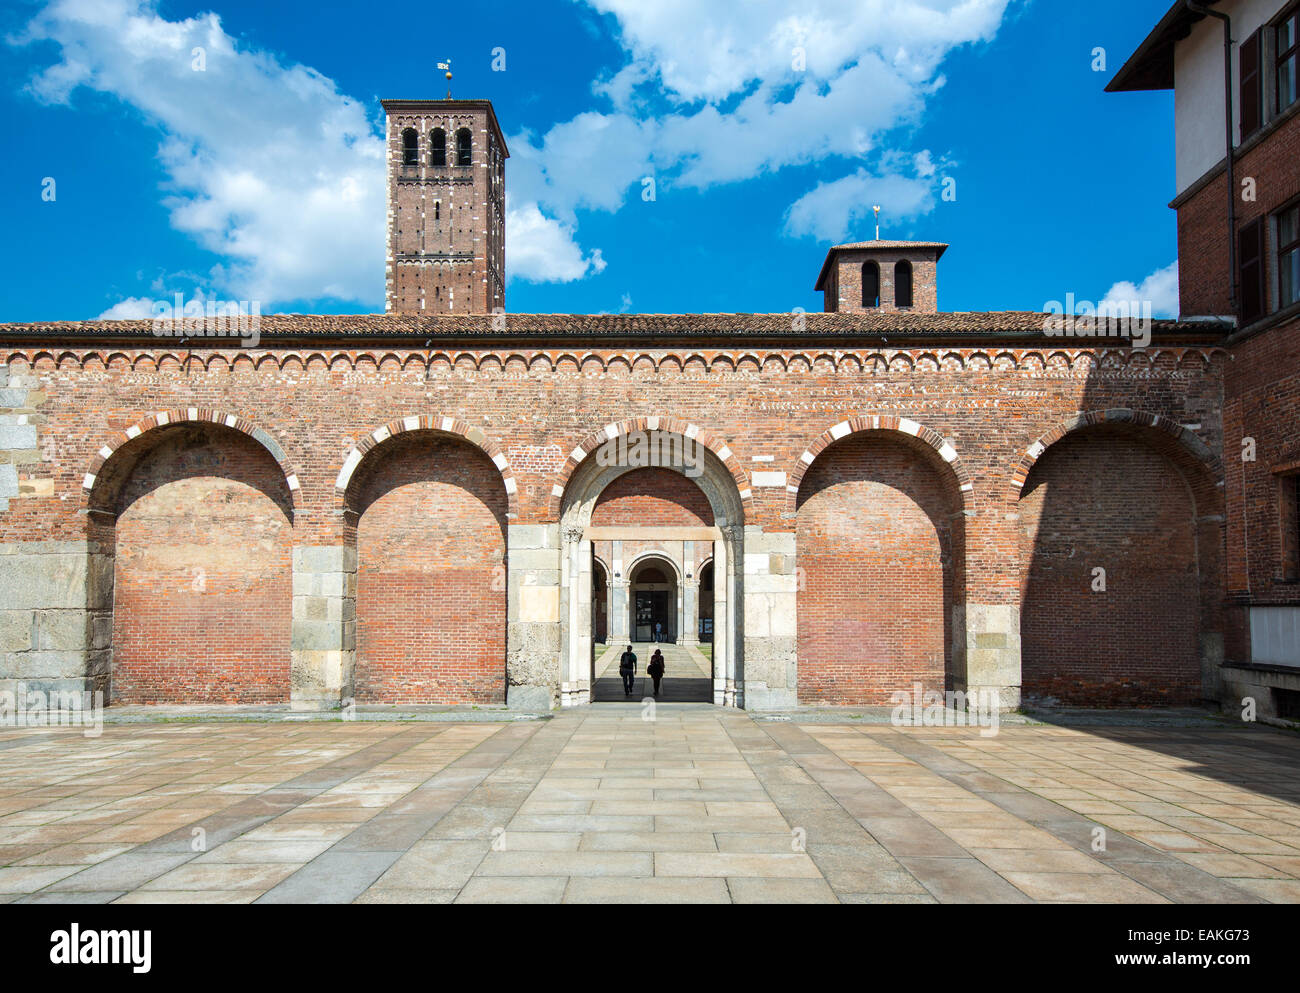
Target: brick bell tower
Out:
[446,207]
[882,277]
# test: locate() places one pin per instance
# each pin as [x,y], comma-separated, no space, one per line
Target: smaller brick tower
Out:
[446,207]
[882,277]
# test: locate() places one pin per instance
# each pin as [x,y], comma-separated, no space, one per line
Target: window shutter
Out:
[1251,86]
[1250,263]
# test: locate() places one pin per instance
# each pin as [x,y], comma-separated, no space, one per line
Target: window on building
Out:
[437,210]
[438,147]
[410,147]
[1250,85]
[1250,263]
[464,146]
[1288,256]
[870,284]
[903,284]
[1285,44]
[1290,526]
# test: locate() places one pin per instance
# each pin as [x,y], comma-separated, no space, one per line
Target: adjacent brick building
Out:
[452,503]
[1251,273]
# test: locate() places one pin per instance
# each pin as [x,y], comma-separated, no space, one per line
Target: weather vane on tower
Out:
[447,66]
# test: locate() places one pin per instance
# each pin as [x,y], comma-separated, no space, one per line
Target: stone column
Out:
[723,685]
[575,688]
[324,634]
[533,650]
[618,598]
[690,633]
[771,614]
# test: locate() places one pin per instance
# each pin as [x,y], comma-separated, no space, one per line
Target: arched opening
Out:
[654,603]
[599,602]
[705,624]
[199,518]
[427,513]
[880,536]
[438,147]
[410,147]
[464,147]
[870,285]
[903,284]
[652,521]
[1115,549]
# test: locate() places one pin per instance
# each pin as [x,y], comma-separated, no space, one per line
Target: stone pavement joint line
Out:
[627,803]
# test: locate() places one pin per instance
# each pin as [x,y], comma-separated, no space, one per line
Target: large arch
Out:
[191,520]
[880,505]
[597,466]
[884,422]
[667,425]
[426,511]
[1121,517]
[440,424]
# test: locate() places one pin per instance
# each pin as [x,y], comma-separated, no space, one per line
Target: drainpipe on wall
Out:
[1197,8]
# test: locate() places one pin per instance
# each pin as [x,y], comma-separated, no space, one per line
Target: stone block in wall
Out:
[17,436]
[992,651]
[533,604]
[324,631]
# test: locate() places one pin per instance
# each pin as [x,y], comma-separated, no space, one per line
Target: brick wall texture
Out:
[875,546]
[431,601]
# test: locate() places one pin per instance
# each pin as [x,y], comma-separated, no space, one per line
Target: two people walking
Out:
[627,669]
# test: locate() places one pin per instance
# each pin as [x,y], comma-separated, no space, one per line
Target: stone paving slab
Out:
[697,805]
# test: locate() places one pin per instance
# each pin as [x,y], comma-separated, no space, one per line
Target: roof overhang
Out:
[921,246]
[1151,67]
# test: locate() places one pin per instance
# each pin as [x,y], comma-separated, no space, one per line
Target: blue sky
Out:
[769,128]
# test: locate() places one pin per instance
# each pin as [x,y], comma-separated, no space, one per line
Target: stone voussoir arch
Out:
[1115,415]
[192,415]
[861,423]
[441,425]
[668,425]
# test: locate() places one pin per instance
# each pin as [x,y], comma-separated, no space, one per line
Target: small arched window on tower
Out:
[437,210]
[903,284]
[410,147]
[870,285]
[464,143]
[438,147]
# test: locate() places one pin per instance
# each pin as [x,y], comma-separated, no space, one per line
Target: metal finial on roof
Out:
[447,66]
[877,210]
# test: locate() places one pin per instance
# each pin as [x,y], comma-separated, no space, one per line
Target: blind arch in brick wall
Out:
[190,415]
[437,424]
[884,423]
[1171,431]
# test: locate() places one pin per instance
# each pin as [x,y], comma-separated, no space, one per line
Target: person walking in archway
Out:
[627,669]
[655,670]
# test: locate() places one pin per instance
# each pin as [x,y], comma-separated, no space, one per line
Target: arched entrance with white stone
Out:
[654,522]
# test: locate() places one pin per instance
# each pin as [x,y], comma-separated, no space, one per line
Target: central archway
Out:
[655,505]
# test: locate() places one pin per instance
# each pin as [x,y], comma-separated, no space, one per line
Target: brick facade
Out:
[950,427]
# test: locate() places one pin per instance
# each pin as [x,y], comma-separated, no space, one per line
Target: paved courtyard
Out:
[602,805]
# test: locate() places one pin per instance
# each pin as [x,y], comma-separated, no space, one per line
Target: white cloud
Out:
[1160,288]
[712,94]
[130,309]
[834,210]
[542,250]
[270,166]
